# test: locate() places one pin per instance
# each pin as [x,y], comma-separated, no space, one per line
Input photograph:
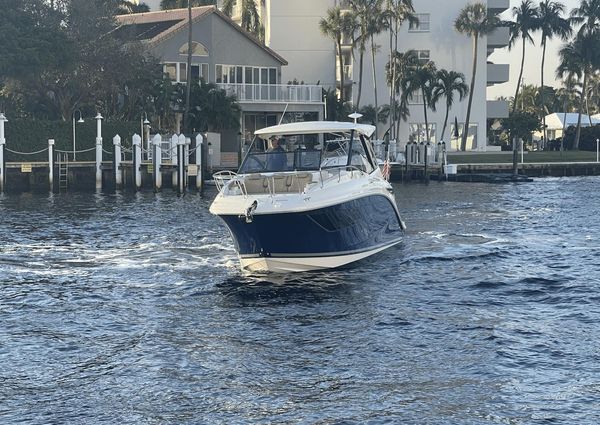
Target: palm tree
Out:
[552,24]
[526,21]
[182,4]
[421,78]
[376,24]
[587,14]
[580,57]
[250,18]
[186,121]
[474,21]
[336,26]
[396,13]
[396,71]
[447,83]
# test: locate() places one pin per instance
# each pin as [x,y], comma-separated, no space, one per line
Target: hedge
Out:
[32,136]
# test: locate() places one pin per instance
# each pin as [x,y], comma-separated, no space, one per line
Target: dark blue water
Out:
[131,309]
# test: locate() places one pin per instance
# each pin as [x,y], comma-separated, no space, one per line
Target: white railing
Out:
[283,93]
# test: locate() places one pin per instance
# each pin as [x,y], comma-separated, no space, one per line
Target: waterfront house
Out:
[557,122]
[234,59]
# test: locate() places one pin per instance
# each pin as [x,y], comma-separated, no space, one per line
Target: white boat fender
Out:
[250,211]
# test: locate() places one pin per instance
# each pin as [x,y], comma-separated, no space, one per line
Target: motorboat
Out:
[308,196]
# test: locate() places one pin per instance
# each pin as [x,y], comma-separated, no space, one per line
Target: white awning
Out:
[314,127]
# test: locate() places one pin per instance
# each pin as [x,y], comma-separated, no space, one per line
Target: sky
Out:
[533,59]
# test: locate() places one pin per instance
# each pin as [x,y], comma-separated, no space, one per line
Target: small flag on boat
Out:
[387,169]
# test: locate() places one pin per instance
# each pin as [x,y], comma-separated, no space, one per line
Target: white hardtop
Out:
[314,127]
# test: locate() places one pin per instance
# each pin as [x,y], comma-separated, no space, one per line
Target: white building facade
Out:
[292,30]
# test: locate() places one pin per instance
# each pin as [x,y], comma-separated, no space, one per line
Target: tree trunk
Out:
[463,143]
[188,88]
[445,122]
[581,104]
[425,115]
[341,63]
[360,77]
[374,84]
[520,78]
[542,89]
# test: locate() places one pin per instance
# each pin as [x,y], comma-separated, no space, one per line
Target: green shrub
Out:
[33,135]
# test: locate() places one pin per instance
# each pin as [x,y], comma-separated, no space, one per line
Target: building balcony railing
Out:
[497,109]
[498,6]
[499,38]
[497,73]
[274,93]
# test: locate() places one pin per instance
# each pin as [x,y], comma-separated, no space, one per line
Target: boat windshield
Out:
[308,152]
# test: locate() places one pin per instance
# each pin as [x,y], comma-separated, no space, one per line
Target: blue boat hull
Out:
[356,226]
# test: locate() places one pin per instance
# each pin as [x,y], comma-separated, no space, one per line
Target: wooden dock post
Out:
[51,164]
[198,157]
[137,161]
[2,161]
[99,151]
[118,176]
[156,160]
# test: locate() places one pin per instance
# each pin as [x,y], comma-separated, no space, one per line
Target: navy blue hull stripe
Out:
[354,226]
[325,254]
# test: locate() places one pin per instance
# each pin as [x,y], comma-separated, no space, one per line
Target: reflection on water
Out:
[131,308]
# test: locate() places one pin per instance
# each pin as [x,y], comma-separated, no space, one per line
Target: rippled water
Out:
[131,309]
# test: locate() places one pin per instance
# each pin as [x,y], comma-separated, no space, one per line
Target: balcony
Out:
[497,73]
[497,109]
[499,38]
[498,6]
[274,93]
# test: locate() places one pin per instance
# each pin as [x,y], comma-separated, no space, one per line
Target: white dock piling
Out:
[2,143]
[51,164]
[186,159]
[180,165]
[137,161]
[198,158]
[156,160]
[117,162]
[98,152]
[173,155]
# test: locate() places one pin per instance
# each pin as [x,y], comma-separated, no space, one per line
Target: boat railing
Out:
[221,178]
[351,168]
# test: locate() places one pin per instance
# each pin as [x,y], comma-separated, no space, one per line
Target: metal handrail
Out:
[221,178]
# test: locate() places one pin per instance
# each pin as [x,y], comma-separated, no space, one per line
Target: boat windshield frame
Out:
[333,151]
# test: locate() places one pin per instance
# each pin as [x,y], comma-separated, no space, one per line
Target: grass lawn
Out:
[504,157]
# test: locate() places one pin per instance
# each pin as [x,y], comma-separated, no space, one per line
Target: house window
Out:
[171,70]
[177,71]
[200,71]
[182,72]
[232,74]
[418,134]
[198,49]
[422,25]
[423,56]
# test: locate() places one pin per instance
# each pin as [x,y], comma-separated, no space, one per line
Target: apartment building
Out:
[292,30]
